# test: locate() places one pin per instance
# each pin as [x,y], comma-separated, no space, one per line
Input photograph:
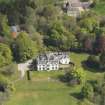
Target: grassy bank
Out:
[41,91]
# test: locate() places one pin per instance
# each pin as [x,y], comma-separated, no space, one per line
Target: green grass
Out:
[77,58]
[40,91]
[43,93]
[100,8]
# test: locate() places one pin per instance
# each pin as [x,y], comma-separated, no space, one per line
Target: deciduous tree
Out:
[24,47]
[5,55]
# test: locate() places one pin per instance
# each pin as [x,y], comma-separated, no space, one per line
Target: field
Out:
[42,91]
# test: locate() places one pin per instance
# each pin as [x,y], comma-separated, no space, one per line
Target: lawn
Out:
[100,8]
[41,91]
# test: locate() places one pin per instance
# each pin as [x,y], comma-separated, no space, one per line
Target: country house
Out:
[52,61]
[75,7]
[46,62]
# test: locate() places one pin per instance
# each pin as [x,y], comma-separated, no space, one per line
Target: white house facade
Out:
[52,61]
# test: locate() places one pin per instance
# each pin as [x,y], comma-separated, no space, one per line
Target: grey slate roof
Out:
[13,29]
[51,58]
[85,4]
[73,5]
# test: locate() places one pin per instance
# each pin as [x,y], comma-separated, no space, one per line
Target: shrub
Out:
[5,55]
[102,61]
[87,91]
[93,58]
[6,85]
[67,77]
[79,75]
[93,61]
[76,76]
[24,48]
[9,70]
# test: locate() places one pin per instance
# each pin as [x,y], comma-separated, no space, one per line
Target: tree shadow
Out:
[77,96]
[62,78]
[93,82]
[2,89]
[68,80]
[91,66]
[80,51]
[32,66]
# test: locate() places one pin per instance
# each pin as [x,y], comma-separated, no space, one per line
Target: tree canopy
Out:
[24,47]
[5,55]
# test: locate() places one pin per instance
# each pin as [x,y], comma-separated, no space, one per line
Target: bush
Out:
[74,77]
[87,91]
[78,75]
[67,77]
[93,61]
[93,58]
[102,61]
[6,85]
[9,70]
[24,48]
[5,55]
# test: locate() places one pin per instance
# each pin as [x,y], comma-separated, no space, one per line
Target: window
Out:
[52,68]
[47,68]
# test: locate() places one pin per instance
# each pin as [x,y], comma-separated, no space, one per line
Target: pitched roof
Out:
[52,58]
[76,4]
[85,4]
[13,29]
[73,1]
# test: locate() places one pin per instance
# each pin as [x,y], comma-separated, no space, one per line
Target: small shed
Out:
[23,67]
[14,31]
